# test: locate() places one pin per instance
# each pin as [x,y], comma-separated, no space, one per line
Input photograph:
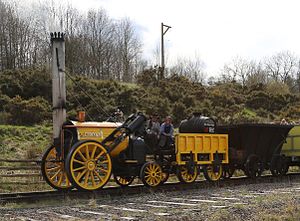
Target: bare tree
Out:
[247,72]
[129,47]
[190,68]
[281,66]
[96,45]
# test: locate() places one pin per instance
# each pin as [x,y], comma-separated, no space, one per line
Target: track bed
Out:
[266,198]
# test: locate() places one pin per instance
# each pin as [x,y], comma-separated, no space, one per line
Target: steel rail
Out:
[112,191]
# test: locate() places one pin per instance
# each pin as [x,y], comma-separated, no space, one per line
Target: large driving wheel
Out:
[88,165]
[253,166]
[123,180]
[186,174]
[278,165]
[213,172]
[53,170]
[151,174]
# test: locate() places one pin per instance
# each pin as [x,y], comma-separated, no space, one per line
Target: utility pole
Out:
[58,85]
[164,29]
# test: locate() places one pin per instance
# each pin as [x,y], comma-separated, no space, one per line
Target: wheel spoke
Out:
[53,168]
[55,175]
[82,156]
[99,155]
[79,168]
[86,178]
[93,179]
[151,180]
[60,179]
[93,152]
[78,161]
[156,179]
[148,178]
[150,167]
[97,174]
[80,175]
[103,170]
[87,153]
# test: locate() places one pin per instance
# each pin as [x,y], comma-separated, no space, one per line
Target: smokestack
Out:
[58,84]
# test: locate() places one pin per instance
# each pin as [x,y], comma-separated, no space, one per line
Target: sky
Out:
[214,30]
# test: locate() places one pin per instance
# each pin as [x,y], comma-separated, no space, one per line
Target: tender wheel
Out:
[123,181]
[88,165]
[53,170]
[213,172]
[228,171]
[165,177]
[253,166]
[278,166]
[187,175]
[151,174]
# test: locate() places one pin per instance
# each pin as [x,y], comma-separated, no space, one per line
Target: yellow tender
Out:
[98,131]
[204,148]
[292,145]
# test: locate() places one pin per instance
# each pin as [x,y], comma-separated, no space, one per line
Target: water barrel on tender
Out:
[197,124]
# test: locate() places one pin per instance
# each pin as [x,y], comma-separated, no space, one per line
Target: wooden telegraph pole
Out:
[58,84]
[164,29]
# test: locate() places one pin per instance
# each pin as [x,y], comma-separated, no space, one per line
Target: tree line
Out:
[282,68]
[97,46]
[25,98]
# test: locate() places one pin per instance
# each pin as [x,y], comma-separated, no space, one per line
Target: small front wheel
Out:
[151,174]
[253,166]
[187,175]
[213,172]
[123,180]
[278,166]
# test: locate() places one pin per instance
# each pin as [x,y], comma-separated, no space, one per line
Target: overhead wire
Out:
[90,97]
[85,110]
[87,94]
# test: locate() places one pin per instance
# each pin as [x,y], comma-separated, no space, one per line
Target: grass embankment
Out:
[18,143]
[21,142]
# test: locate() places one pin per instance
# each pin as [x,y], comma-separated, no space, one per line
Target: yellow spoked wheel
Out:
[213,173]
[186,176]
[123,181]
[53,170]
[151,174]
[88,165]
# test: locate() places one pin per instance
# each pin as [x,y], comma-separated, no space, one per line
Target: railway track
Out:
[110,191]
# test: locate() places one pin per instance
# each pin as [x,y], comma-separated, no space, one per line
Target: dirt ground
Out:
[272,201]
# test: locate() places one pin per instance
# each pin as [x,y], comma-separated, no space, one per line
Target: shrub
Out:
[28,112]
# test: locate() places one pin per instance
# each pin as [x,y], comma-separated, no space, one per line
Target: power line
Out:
[87,94]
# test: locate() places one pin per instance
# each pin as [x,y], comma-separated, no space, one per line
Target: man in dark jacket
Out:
[166,133]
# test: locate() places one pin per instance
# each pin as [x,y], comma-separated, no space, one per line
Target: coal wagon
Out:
[255,148]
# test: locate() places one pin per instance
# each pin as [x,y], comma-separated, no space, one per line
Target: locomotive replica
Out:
[90,152]
[85,155]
